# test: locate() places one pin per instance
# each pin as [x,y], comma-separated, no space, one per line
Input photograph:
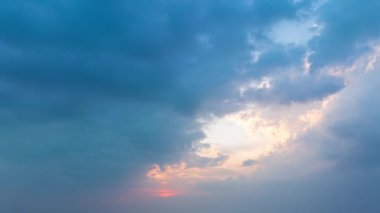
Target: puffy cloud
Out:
[93,92]
[137,50]
[248,162]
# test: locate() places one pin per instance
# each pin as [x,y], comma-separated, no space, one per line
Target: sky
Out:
[183,106]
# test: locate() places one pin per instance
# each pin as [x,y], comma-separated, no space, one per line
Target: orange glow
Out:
[252,133]
[165,193]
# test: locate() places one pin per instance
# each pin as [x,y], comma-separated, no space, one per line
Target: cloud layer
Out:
[93,93]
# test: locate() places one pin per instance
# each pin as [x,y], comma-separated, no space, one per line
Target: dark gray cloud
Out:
[92,92]
[354,123]
[73,161]
[163,51]
[348,28]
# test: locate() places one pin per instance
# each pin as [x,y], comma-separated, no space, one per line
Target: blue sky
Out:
[143,106]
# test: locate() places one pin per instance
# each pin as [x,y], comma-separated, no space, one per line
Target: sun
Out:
[166,193]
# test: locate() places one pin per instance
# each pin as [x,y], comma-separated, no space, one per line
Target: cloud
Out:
[248,162]
[92,93]
[353,122]
[139,50]
[287,88]
[200,161]
[75,161]
[346,32]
